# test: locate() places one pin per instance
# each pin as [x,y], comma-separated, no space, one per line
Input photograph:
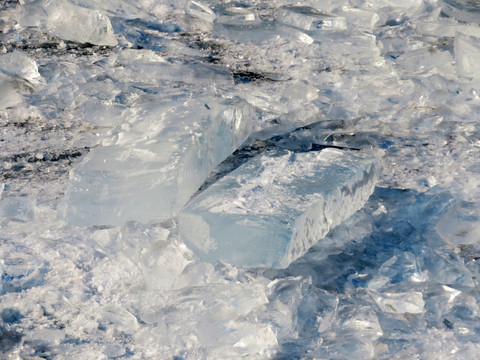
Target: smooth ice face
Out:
[463,10]
[467,48]
[310,19]
[20,64]
[151,171]
[266,214]
[70,22]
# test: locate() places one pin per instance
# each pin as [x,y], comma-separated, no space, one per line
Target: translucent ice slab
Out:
[463,10]
[20,64]
[70,22]
[467,48]
[8,95]
[272,209]
[150,171]
[310,19]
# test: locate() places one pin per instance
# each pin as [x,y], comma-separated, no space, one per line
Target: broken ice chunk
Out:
[272,209]
[19,63]
[198,16]
[401,303]
[460,225]
[8,94]
[310,19]
[18,208]
[237,16]
[463,10]
[149,172]
[467,49]
[74,23]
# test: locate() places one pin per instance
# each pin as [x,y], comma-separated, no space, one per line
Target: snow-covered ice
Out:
[263,214]
[83,81]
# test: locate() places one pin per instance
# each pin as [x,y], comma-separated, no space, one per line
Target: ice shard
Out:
[272,209]
[150,171]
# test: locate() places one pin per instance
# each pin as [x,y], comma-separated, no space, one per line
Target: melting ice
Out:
[114,114]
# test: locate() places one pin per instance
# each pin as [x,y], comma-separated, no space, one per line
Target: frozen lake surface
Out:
[114,114]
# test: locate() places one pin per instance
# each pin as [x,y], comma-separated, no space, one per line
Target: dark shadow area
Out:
[9,340]
[11,316]
[403,232]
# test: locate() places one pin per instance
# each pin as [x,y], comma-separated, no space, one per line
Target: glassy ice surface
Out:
[82,81]
[310,19]
[150,171]
[463,10]
[262,214]
[67,21]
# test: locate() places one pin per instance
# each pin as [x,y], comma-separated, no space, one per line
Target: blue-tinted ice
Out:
[396,280]
[272,209]
[152,170]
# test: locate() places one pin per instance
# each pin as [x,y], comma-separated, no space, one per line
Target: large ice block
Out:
[150,171]
[463,10]
[272,209]
[467,48]
[20,64]
[70,22]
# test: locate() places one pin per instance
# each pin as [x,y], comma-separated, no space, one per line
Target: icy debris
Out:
[411,302]
[359,320]
[18,208]
[237,16]
[20,64]
[364,20]
[147,247]
[440,27]
[150,170]
[71,22]
[310,19]
[220,319]
[460,225]
[467,50]
[264,214]
[202,11]
[9,97]
[425,60]
[448,269]
[199,16]
[463,10]
[75,23]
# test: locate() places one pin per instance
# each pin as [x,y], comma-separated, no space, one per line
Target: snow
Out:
[105,79]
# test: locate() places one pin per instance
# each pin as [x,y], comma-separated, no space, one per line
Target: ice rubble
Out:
[264,214]
[398,279]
